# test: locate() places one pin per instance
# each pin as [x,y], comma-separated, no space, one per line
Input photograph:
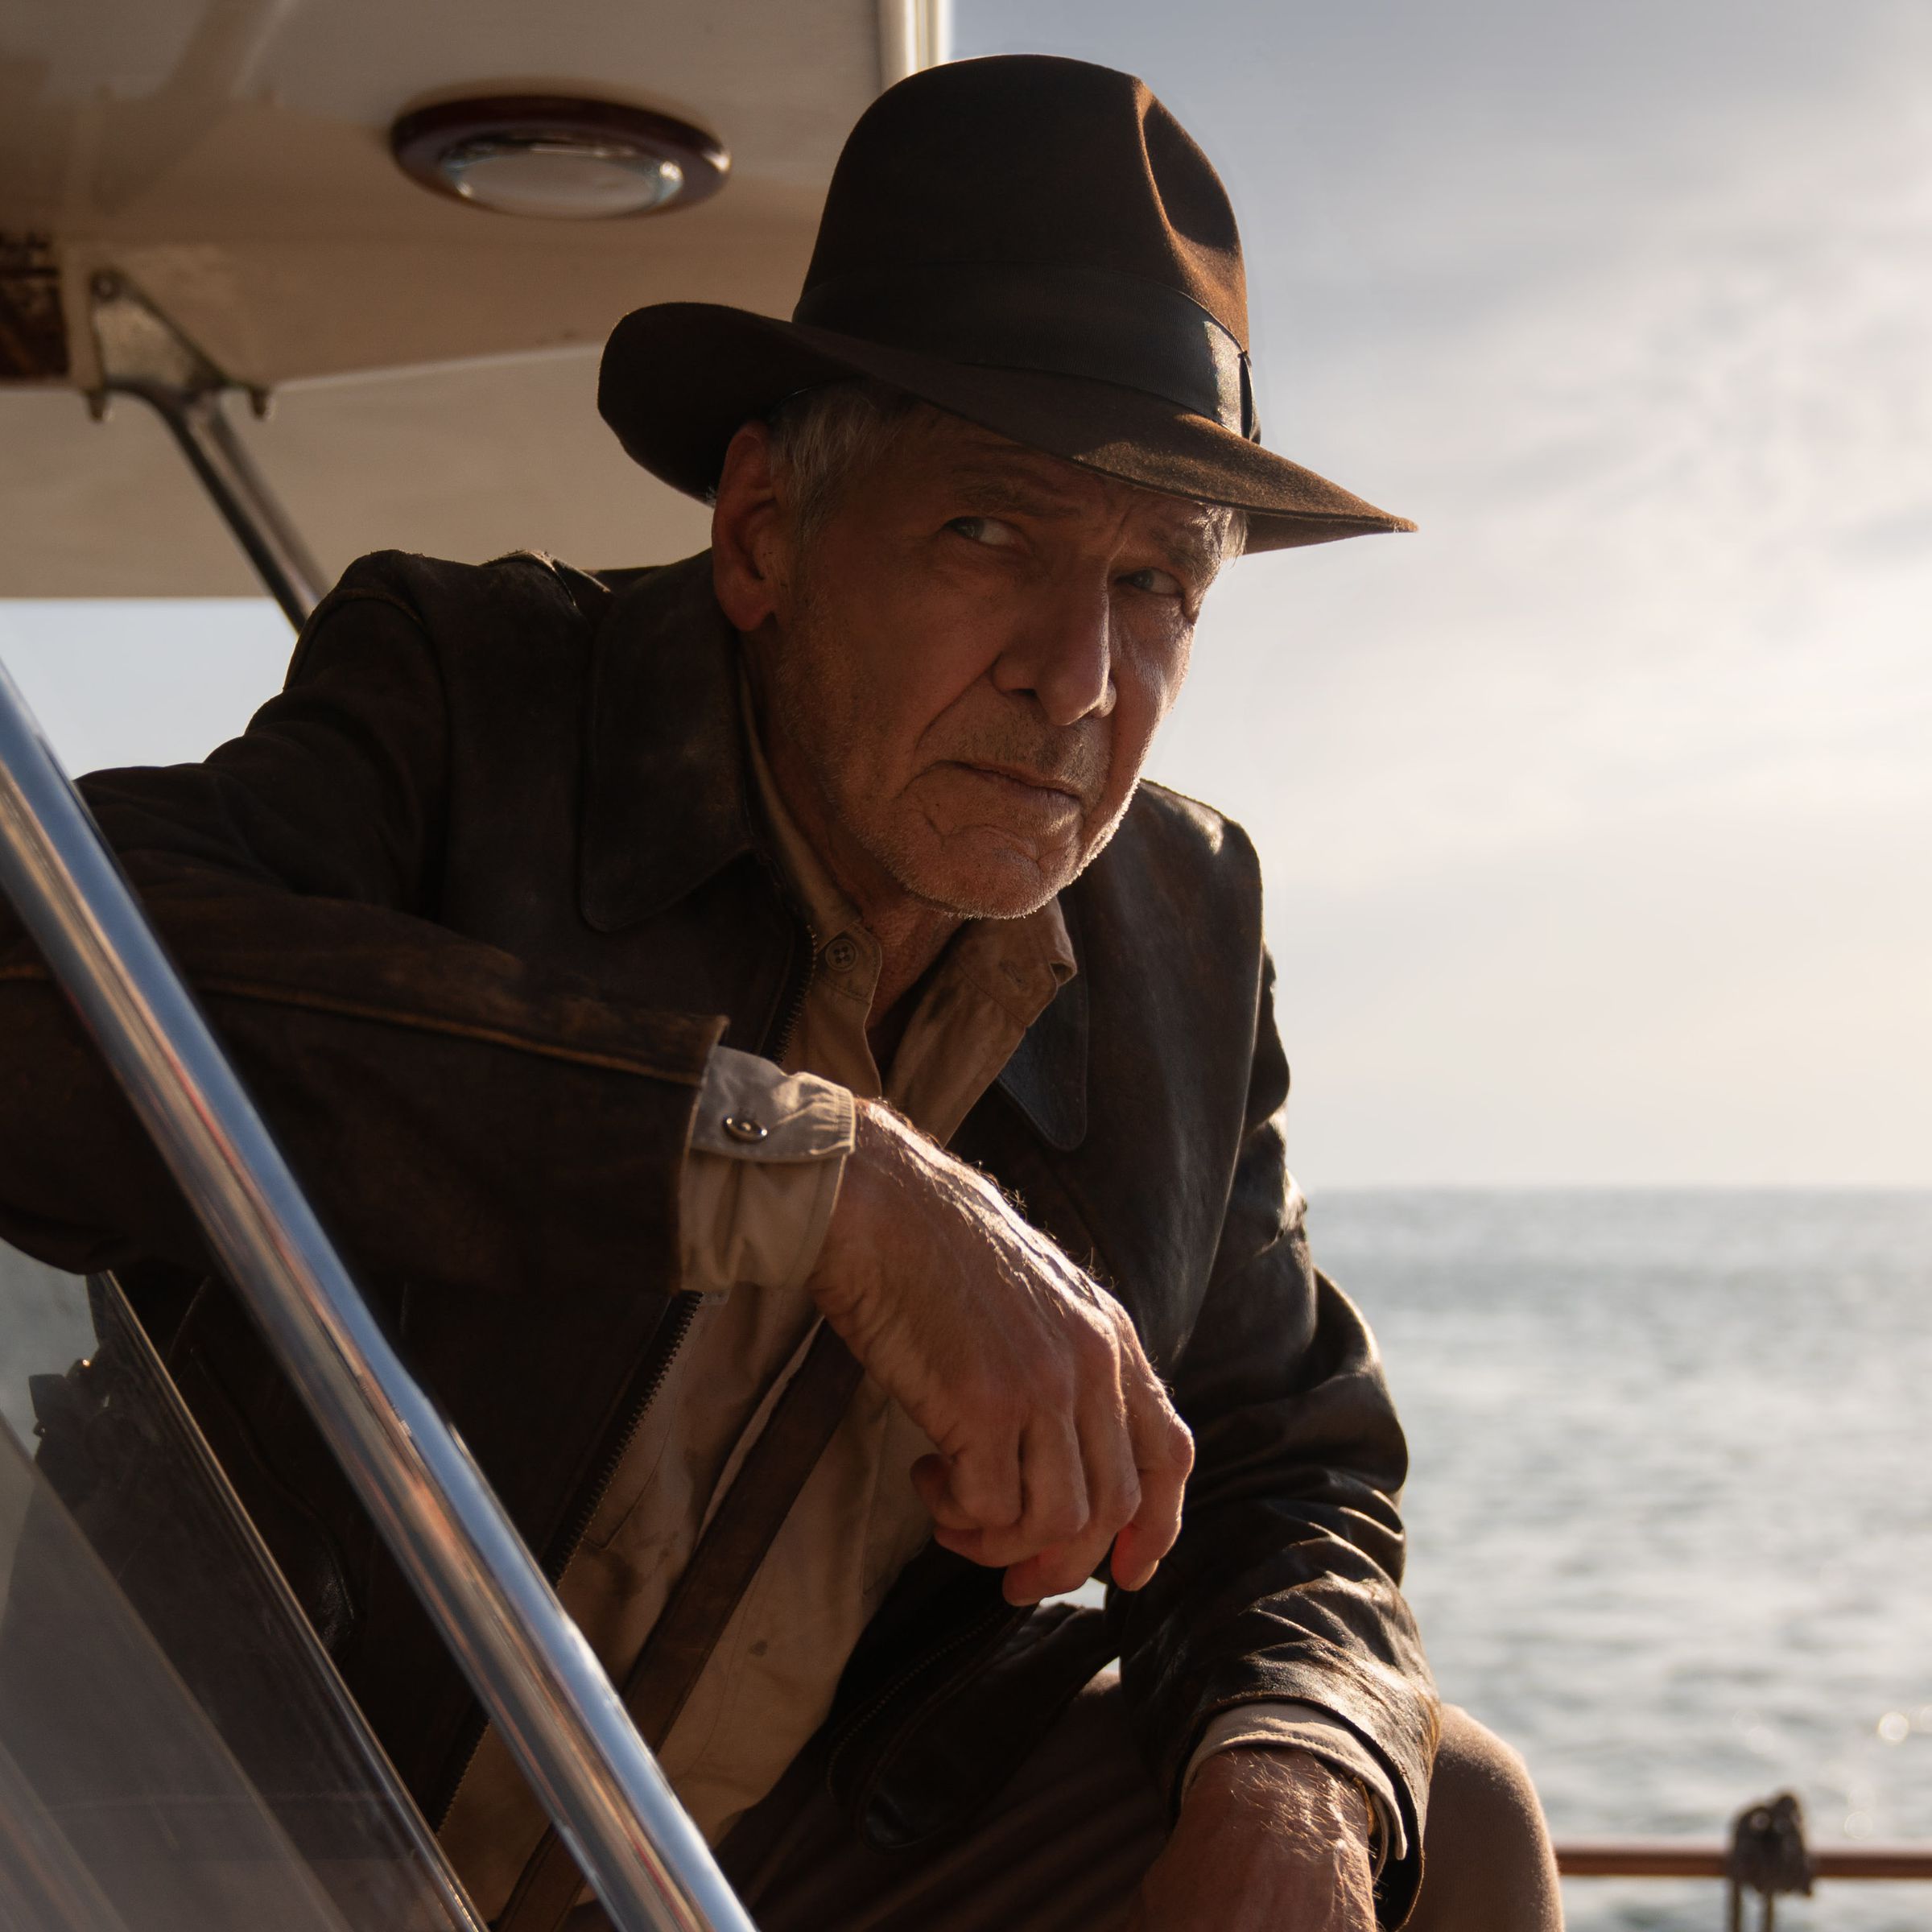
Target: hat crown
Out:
[1032,244]
[1028,159]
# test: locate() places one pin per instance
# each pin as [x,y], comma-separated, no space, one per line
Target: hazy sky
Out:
[1596,815]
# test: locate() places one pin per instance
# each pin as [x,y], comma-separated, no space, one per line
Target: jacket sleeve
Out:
[1285,1582]
[417,1080]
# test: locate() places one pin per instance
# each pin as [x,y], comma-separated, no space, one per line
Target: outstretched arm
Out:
[416,1078]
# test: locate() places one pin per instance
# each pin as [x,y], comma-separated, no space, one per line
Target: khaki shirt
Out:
[753,1217]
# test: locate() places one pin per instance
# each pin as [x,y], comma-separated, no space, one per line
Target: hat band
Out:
[1053,317]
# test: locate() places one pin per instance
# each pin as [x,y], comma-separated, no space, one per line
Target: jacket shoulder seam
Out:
[1184,798]
[1182,814]
[32,973]
[505,1037]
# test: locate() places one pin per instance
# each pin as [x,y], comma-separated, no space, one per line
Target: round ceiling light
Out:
[558,158]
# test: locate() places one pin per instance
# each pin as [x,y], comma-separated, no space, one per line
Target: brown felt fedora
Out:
[1035,244]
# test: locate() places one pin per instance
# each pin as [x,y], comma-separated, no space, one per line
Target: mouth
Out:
[1040,787]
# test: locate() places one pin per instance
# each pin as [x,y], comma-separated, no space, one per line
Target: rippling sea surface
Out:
[1671,1508]
[1671,1505]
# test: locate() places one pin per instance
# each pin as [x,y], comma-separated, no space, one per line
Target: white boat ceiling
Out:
[433,364]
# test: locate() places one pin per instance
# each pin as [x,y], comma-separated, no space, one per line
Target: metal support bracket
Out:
[143,353]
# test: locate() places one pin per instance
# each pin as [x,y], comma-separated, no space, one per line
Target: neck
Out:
[911,934]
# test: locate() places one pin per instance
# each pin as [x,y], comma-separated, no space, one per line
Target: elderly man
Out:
[815,1344]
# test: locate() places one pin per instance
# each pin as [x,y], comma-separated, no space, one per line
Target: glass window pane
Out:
[175,1748]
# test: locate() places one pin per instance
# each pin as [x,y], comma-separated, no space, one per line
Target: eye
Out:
[988,530]
[1156,583]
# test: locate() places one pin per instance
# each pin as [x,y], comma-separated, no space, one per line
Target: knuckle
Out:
[1094,1350]
[1114,1481]
[993,1401]
[1059,1522]
[1006,1411]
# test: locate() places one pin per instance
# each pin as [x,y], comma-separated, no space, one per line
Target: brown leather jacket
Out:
[460,901]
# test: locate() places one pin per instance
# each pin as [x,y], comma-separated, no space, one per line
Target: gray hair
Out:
[821,438]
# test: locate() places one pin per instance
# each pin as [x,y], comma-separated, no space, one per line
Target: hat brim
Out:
[679,378]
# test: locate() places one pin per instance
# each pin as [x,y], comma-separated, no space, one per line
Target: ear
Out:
[748,532]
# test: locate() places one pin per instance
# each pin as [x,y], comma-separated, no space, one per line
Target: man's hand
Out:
[1056,1441]
[1267,1841]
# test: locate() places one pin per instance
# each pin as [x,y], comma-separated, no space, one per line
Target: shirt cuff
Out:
[1284,1725]
[762,1173]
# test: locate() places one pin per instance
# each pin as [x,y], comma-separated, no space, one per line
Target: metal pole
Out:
[144,354]
[537,1677]
[238,490]
[1696,1858]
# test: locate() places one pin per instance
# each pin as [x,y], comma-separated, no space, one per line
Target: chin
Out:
[1002,884]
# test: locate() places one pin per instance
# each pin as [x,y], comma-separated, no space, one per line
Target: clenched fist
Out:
[1056,1443]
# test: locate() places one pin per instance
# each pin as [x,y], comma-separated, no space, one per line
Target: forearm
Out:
[1282,1726]
[1250,1610]
[1267,1839]
[1284,1586]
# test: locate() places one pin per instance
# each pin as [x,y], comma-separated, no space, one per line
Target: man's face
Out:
[969,657]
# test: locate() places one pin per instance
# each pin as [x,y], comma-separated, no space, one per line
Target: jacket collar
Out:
[668,801]
[1047,1076]
[669,804]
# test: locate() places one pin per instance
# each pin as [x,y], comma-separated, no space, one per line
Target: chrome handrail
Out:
[537,1677]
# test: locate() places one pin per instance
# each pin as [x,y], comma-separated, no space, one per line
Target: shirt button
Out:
[742,1127]
[841,955]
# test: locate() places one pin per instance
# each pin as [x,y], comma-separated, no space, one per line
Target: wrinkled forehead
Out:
[987,474]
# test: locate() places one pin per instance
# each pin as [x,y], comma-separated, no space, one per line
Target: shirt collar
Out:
[1020,964]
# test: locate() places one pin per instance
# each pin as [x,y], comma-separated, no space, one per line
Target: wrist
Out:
[1290,1786]
[1266,1836]
[863,1219]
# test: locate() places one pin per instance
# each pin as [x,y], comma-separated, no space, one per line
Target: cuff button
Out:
[742,1127]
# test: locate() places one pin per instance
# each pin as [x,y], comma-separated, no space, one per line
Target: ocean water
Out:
[1671,1505]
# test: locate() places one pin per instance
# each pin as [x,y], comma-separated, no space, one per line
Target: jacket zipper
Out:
[674,1326]
[780,1037]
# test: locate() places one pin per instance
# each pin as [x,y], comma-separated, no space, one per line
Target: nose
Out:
[1063,658]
